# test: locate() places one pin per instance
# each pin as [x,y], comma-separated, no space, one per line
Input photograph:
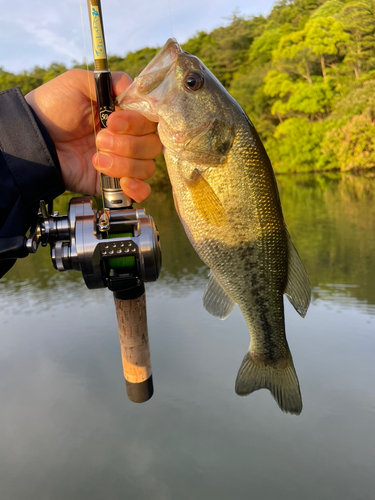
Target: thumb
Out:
[120,82]
[84,82]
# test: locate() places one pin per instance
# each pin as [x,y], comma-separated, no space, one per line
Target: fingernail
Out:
[130,183]
[103,161]
[104,140]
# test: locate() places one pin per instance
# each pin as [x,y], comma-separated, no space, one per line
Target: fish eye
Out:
[193,81]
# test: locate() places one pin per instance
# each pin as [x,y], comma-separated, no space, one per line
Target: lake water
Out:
[68,431]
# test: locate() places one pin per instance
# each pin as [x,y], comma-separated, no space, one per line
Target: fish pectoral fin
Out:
[216,300]
[297,289]
[206,203]
[281,381]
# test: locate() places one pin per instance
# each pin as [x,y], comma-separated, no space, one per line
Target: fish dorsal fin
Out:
[205,201]
[298,286]
[216,300]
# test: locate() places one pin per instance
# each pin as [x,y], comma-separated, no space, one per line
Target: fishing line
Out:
[89,83]
[88,73]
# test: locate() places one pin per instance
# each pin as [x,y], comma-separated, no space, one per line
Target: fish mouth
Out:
[152,84]
[156,70]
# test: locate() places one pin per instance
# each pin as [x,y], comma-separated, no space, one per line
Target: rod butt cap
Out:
[141,392]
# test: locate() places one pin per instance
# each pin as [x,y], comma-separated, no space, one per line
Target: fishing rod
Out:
[130,302]
[113,196]
[115,247]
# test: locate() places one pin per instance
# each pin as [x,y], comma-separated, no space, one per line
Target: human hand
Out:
[127,147]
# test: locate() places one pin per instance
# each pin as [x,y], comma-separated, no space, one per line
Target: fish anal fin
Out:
[297,289]
[281,380]
[206,203]
[216,300]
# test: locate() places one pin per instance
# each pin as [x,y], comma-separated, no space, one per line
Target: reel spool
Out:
[116,255]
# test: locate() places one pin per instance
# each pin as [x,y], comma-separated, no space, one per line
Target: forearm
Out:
[29,167]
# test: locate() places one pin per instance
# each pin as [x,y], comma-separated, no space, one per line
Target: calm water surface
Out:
[67,430]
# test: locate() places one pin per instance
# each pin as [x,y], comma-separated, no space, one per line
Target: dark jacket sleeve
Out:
[29,167]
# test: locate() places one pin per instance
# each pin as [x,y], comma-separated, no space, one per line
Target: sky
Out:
[43,31]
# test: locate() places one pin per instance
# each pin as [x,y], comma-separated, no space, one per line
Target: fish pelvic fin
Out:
[216,300]
[281,380]
[297,289]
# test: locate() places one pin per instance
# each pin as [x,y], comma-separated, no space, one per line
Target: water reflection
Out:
[331,219]
[332,222]
[68,431]
[342,295]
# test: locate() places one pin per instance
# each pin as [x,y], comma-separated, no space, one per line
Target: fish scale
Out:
[226,196]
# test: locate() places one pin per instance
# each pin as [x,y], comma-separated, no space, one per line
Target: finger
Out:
[135,189]
[118,166]
[120,82]
[145,147]
[126,121]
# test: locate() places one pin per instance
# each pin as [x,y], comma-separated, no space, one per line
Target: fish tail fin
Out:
[281,381]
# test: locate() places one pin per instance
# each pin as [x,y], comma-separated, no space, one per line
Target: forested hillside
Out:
[305,75]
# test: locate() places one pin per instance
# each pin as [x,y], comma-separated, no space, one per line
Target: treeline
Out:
[305,75]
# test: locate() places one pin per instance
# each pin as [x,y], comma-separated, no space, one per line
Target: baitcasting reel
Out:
[112,248]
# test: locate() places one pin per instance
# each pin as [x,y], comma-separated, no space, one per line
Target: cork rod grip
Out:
[135,350]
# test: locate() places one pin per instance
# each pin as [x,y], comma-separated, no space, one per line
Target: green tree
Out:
[358,18]
[293,11]
[203,46]
[226,49]
[293,55]
[247,89]
[300,50]
[296,146]
[361,100]
[263,46]
[53,70]
[313,101]
[298,97]
[279,85]
[324,37]
[352,146]
[328,9]
[24,81]
[134,62]
[301,73]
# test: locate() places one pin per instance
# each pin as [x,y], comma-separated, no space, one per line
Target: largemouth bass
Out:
[227,199]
